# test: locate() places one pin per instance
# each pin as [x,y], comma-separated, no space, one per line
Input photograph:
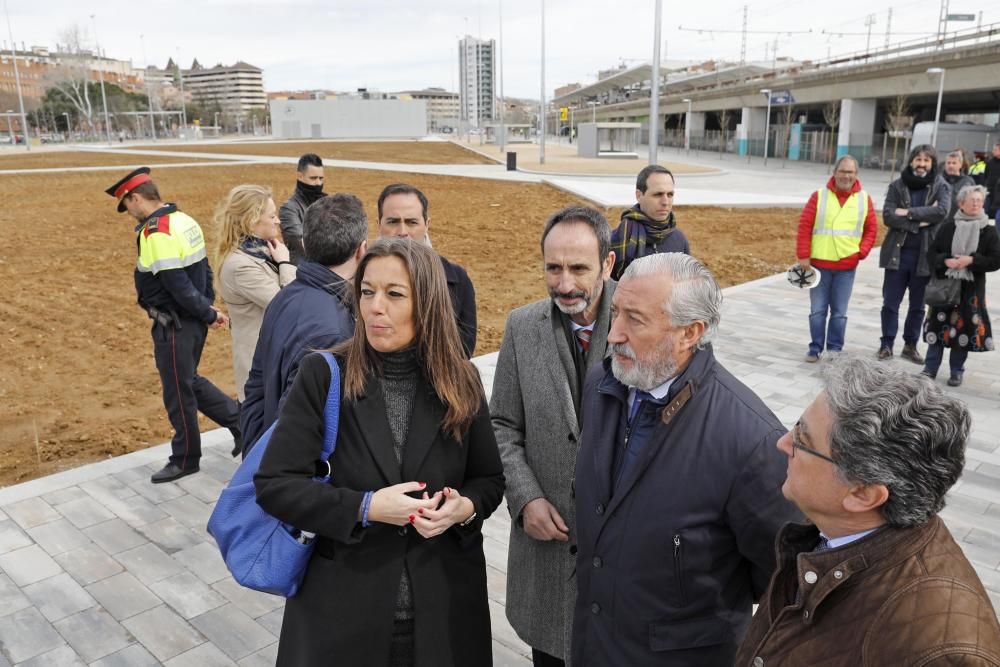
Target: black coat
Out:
[343,614]
[669,565]
[966,325]
[463,300]
[934,213]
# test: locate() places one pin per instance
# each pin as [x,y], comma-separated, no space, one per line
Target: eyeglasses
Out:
[797,444]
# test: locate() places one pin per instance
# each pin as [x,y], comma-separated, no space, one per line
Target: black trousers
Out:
[185,393]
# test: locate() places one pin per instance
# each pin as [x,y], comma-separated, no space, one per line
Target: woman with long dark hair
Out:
[398,576]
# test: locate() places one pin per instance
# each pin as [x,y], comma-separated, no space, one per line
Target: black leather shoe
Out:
[955,380]
[910,353]
[171,472]
[884,353]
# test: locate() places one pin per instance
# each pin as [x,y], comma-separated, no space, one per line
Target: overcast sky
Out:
[393,45]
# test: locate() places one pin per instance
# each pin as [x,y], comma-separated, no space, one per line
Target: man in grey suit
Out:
[548,347]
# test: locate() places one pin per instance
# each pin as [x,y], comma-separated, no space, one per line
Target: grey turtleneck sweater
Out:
[400,372]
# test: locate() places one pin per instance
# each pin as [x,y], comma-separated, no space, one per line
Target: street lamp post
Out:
[149,91]
[17,82]
[937,112]
[10,127]
[503,127]
[180,75]
[571,109]
[100,71]
[767,121]
[654,97]
[593,111]
[687,127]
[541,106]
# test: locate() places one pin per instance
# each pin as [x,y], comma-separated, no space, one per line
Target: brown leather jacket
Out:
[895,597]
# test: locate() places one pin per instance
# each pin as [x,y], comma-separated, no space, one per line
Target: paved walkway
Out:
[100,567]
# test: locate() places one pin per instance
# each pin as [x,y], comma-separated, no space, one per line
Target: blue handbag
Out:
[260,551]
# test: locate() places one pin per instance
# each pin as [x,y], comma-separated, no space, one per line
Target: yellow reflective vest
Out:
[837,229]
[173,241]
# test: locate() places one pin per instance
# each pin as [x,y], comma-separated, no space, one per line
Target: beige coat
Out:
[247,284]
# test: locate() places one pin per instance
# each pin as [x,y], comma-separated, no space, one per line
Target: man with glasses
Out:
[677,482]
[837,230]
[876,577]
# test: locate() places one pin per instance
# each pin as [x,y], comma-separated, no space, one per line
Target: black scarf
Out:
[309,192]
[257,247]
[953,179]
[914,182]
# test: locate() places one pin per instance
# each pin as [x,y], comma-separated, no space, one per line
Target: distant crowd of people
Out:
[654,498]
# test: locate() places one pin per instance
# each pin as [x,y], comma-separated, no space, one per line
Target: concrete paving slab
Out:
[31,512]
[58,537]
[187,595]
[163,633]
[28,565]
[123,596]
[58,597]
[133,655]
[85,512]
[88,564]
[115,536]
[266,657]
[93,634]
[170,535]
[12,537]
[64,656]
[149,563]
[231,630]
[25,634]
[206,655]
[12,598]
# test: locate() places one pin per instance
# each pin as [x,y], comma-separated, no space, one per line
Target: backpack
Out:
[260,551]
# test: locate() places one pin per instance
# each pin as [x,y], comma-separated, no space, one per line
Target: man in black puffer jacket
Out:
[308,188]
[915,204]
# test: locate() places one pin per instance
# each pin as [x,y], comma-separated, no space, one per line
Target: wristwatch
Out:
[472,517]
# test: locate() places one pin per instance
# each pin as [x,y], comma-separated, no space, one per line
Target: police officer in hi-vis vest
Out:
[173,282]
[837,229]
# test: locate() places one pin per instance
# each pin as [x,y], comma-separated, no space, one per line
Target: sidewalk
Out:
[100,567]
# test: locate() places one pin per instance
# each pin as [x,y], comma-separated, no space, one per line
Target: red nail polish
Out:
[420,510]
[412,518]
[423,484]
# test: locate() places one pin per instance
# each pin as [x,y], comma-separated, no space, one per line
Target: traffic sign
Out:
[782,97]
[961,17]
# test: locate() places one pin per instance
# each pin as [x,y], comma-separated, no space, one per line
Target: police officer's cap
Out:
[126,185]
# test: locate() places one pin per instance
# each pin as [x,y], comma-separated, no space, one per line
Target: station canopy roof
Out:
[678,82]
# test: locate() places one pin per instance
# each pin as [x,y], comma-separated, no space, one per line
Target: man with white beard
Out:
[548,347]
[678,481]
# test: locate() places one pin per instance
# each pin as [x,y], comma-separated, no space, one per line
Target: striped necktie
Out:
[583,337]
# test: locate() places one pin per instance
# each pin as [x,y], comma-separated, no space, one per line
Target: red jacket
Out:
[803,246]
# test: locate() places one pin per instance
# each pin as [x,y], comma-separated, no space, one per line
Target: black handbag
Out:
[943,292]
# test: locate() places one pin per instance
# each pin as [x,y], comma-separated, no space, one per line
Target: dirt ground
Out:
[55,159]
[400,152]
[77,379]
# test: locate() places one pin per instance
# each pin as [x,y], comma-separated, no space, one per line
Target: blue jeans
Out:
[935,353]
[894,285]
[831,295]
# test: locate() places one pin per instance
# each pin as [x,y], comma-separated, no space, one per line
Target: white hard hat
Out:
[803,278]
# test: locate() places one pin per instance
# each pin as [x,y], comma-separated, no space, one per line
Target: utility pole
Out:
[180,75]
[100,71]
[654,97]
[942,23]
[541,102]
[503,128]
[869,22]
[743,42]
[149,92]
[17,82]
[888,28]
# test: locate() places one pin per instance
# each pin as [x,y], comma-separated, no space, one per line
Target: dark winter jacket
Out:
[671,560]
[463,300]
[934,213]
[311,313]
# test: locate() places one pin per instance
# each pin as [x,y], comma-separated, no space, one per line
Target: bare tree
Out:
[723,127]
[787,115]
[72,75]
[831,116]
[898,121]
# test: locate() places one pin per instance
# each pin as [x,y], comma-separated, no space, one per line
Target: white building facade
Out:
[478,75]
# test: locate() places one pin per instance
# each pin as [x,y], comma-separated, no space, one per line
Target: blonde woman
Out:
[253,266]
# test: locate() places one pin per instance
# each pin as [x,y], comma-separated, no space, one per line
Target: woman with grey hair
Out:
[965,249]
